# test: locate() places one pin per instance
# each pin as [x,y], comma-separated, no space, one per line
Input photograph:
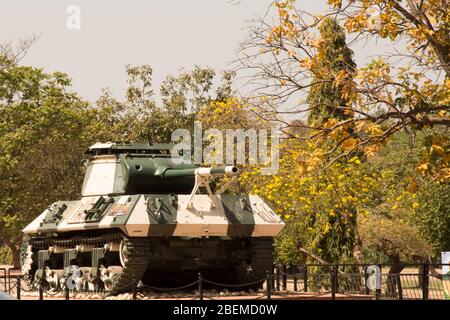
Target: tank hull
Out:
[157,215]
[164,240]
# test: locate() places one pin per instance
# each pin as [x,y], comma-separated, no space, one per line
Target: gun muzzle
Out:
[217,171]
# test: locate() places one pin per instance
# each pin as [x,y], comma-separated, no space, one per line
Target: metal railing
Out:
[415,281]
[313,281]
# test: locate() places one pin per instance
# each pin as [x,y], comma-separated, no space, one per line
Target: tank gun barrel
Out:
[201,171]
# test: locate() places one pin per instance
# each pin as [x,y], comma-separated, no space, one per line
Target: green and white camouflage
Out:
[141,217]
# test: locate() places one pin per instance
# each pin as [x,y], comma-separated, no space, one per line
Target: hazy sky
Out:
[168,35]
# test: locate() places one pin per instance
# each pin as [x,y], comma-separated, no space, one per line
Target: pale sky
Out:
[168,35]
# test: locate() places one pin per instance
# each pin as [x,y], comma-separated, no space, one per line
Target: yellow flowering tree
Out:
[323,205]
[285,53]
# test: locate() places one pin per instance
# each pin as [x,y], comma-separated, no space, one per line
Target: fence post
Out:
[295,269]
[66,292]
[268,285]
[9,282]
[134,289]
[200,286]
[305,278]
[4,276]
[272,277]
[41,290]
[399,286]
[18,287]
[336,279]
[333,282]
[277,279]
[425,281]
[283,276]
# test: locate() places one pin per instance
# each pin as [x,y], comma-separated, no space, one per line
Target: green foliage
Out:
[5,255]
[433,216]
[42,137]
[409,211]
[141,118]
[334,61]
[292,236]
[393,238]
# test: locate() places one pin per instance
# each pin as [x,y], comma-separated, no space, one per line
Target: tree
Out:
[42,131]
[410,198]
[322,206]
[283,56]
[334,58]
[432,216]
[141,118]
[397,212]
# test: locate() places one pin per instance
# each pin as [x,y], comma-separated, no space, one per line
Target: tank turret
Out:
[140,168]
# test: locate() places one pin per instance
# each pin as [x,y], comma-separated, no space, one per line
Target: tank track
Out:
[137,256]
[136,252]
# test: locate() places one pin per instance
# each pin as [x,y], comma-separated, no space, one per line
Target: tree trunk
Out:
[357,253]
[359,258]
[433,271]
[440,49]
[15,253]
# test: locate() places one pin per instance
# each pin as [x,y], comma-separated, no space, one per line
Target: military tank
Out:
[142,217]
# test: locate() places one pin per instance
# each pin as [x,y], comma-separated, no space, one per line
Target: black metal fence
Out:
[381,281]
[312,281]
[15,284]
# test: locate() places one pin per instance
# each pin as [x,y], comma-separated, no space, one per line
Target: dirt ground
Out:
[195,296]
